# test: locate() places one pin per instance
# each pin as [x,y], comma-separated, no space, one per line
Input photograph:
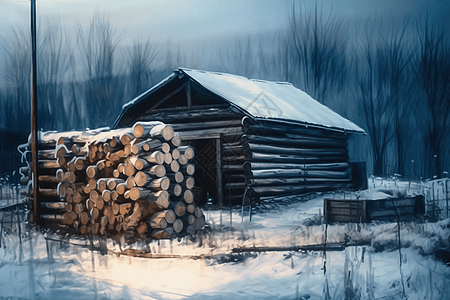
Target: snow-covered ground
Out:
[42,266]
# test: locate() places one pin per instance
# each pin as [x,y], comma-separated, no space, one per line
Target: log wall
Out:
[265,157]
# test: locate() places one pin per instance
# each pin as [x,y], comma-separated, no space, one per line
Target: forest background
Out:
[391,77]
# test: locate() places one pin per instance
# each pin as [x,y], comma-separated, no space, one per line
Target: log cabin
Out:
[253,138]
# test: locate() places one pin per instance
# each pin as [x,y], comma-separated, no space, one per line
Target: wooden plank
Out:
[344,219]
[292,181]
[392,212]
[219,182]
[326,203]
[296,173]
[276,141]
[188,95]
[206,125]
[276,127]
[346,211]
[213,133]
[345,204]
[400,203]
[172,116]
[406,217]
[364,212]
[285,158]
[367,210]
[261,148]
[270,165]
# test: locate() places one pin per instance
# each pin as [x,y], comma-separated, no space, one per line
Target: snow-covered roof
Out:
[272,100]
[262,99]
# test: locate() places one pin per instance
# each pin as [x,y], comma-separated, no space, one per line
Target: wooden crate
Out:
[366,210]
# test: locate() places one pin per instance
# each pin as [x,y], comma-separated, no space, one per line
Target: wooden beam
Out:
[251,166]
[213,133]
[182,114]
[293,141]
[34,120]
[188,95]
[167,97]
[264,127]
[219,184]
[206,125]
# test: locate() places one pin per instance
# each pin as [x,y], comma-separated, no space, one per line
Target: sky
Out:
[192,21]
[162,20]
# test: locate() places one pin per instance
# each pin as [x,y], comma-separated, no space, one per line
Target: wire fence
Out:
[437,196]
[9,193]
[10,162]
[436,192]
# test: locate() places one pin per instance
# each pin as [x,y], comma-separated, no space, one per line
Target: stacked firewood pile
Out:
[108,181]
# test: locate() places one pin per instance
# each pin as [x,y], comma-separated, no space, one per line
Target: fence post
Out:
[18,192]
[446,195]
[434,202]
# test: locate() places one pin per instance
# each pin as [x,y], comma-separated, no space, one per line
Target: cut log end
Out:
[176,141]
[162,234]
[175,153]
[91,171]
[174,166]
[178,226]
[190,182]
[188,197]
[168,158]
[182,160]
[180,209]
[165,148]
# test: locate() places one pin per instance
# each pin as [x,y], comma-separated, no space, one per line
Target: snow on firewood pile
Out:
[102,181]
[214,265]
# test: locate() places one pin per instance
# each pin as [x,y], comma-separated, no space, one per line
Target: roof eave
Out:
[127,106]
[287,121]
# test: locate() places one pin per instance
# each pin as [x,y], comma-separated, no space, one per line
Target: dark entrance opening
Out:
[205,170]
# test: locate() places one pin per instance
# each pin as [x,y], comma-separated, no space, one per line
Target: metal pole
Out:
[34,127]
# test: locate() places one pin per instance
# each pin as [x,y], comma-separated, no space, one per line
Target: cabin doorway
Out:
[205,170]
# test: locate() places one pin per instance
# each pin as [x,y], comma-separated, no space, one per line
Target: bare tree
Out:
[433,78]
[394,55]
[54,51]
[282,60]
[175,57]
[319,51]
[17,75]
[75,107]
[239,58]
[103,91]
[142,56]
[375,106]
